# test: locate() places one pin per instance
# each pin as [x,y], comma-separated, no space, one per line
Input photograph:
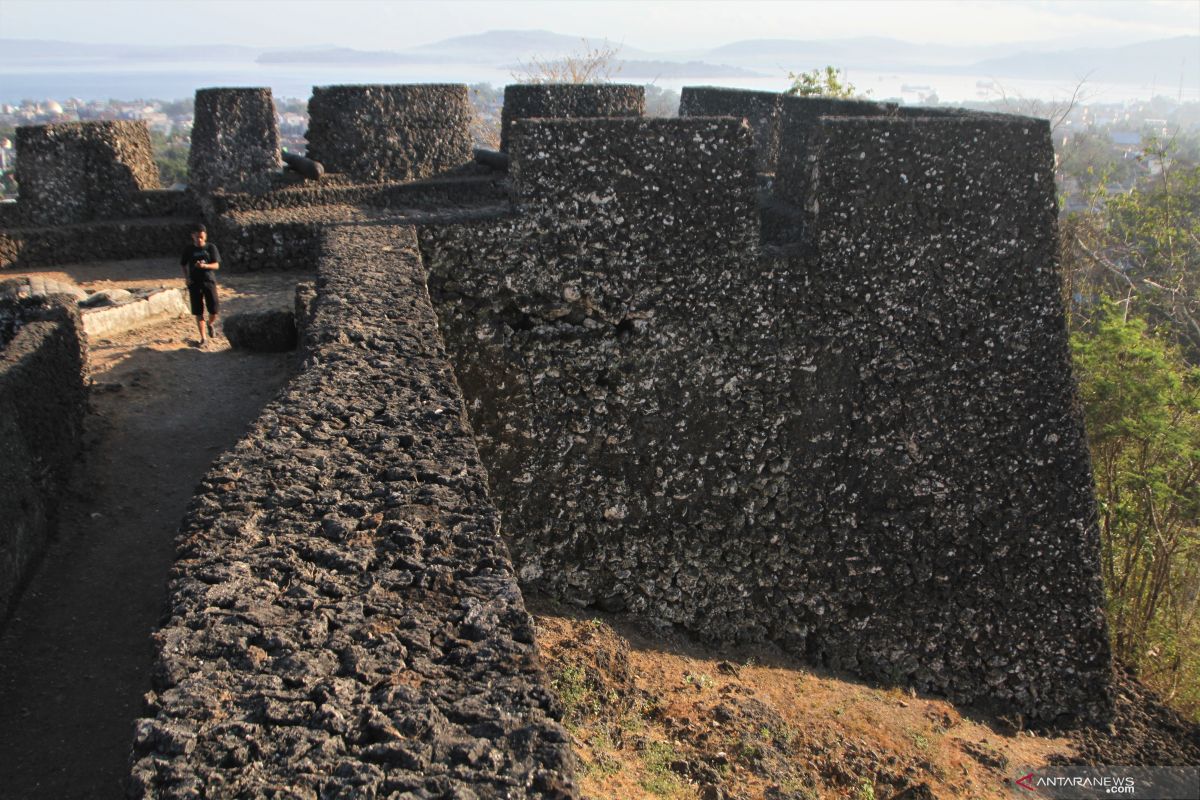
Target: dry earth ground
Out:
[654,714]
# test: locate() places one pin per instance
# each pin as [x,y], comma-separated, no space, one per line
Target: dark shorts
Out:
[201,295]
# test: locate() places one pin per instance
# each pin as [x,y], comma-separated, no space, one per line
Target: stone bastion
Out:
[785,369]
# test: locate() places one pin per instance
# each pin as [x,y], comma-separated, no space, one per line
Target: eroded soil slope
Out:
[653,714]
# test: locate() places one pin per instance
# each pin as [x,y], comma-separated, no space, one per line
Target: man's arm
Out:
[215,255]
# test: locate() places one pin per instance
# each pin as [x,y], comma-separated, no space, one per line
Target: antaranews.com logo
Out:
[1087,783]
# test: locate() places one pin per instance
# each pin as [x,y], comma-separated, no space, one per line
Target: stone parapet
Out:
[344,619]
[568,101]
[42,403]
[400,132]
[235,138]
[82,171]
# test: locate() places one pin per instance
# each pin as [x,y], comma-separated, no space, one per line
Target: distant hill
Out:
[858,53]
[1164,61]
[497,46]
[39,51]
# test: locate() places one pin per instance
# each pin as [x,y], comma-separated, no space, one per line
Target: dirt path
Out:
[75,655]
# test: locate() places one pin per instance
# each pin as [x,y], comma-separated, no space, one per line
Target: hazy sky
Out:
[650,24]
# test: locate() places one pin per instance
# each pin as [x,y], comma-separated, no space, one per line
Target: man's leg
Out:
[196,298]
[210,299]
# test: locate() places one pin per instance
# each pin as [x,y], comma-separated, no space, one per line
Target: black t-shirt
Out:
[192,254]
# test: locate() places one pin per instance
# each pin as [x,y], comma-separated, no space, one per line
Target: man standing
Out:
[200,262]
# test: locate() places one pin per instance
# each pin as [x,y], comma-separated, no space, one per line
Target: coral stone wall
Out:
[344,619]
[759,109]
[951,461]
[390,132]
[868,454]
[93,241]
[235,139]
[613,341]
[42,403]
[797,118]
[81,171]
[568,100]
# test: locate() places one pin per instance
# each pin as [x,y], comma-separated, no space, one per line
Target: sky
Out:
[662,25]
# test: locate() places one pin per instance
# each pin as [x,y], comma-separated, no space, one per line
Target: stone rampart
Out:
[390,132]
[568,101]
[279,230]
[235,139]
[798,116]
[344,620]
[42,403]
[94,241]
[868,454]
[759,109]
[82,171]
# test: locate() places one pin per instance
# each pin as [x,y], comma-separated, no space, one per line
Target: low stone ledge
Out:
[344,619]
[42,403]
[339,190]
[267,331]
[159,304]
[93,241]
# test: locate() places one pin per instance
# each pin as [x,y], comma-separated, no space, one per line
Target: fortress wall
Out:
[253,242]
[950,462]
[10,215]
[868,454]
[760,109]
[154,203]
[42,403]
[798,117]
[613,344]
[280,231]
[235,139]
[434,193]
[344,619]
[94,241]
[568,101]
[397,132]
[82,171]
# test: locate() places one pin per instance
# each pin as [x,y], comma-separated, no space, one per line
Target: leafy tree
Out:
[1133,292]
[1144,247]
[1141,402]
[829,82]
[661,102]
[171,157]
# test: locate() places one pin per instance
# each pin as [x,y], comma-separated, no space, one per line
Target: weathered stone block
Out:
[398,132]
[43,356]
[759,109]
[268,331]
[235,138]
[856,452]
[798,117]
[83,171]
[567,101]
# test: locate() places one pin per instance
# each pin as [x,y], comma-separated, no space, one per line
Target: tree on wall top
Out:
[589,64]
[828,82]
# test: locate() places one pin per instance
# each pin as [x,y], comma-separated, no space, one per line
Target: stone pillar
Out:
[798,117]
[568,100]
[235,138]
[399,132]
[81,171]
[759,109]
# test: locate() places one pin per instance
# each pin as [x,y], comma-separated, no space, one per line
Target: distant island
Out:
[628,68]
